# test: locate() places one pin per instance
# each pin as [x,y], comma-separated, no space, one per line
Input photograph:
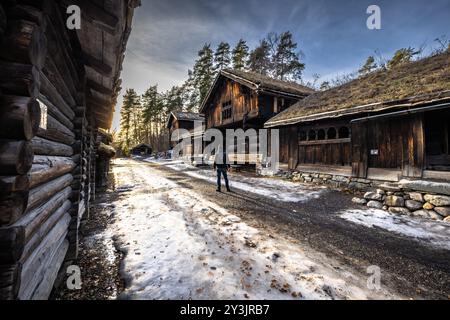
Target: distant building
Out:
[184,120]
[142,149]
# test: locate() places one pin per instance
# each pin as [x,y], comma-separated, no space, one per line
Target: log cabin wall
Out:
[230,103]
[48,132]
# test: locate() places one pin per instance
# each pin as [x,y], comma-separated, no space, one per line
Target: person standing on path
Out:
[222,164]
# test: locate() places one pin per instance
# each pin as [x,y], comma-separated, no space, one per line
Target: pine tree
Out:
[240,55]
[130,100]
[259,59]
[222,57]
[286,61]
[203,71]
[368,67]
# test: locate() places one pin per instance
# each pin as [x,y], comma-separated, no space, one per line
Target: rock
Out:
[359,200]
[358,186]
[447,219]
[435,216]
[341,179]
[428,206]
[416,196]
[426,186]
[443,211]
[380,191]
[437,200]
[392,187]
[395,201]
[375,204]
[399,210]
[421,214]
[373,196]
[399,194]
[389,193]
[413,205]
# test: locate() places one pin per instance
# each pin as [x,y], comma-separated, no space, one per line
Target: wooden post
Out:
[360,152]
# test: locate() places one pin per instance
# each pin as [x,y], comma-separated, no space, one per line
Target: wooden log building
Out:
[386,126]
[241,99]
[57,88]
[186,121]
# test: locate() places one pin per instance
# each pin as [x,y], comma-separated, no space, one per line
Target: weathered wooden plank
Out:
[57,132]
[44,289]
[12,184]
[33,269]
[43,146]
[42,193]
[44,229]
[19,117]
[19,79]
[46,168]
[10,281]
[16,157]
[24,42]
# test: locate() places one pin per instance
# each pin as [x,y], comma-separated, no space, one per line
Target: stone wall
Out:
[418,198]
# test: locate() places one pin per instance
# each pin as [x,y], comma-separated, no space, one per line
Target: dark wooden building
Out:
[57,88]
[385,126]
[186,121]
[142,149]
[240,99]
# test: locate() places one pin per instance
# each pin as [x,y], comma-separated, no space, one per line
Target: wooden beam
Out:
[91,84]
[97,65]
[16,157]
[19,117]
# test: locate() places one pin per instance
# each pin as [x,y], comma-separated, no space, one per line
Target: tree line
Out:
[144,117]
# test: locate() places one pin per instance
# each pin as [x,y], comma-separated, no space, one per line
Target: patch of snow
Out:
[434,232]
[280,190]
[179,245]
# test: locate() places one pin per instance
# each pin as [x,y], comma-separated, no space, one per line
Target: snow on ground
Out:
[179,245]
[435,233]
[280,190]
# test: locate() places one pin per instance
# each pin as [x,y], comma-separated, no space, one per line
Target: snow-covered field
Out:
[435,233]
[280,190]
[181,246]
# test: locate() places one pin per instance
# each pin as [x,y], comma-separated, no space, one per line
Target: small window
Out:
[321,134]
[312,135]
[344,133]
[302,136]
[331,134]
[227,110]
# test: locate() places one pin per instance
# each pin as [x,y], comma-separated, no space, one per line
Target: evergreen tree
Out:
[368,67]
[222,57]
[190,93]
[240,55]
[259,59]
[127,122]
[203,71]
[286,61]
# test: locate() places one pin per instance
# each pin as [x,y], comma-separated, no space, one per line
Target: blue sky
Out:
[332,34]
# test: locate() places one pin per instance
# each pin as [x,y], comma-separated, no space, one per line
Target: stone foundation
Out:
[418,198]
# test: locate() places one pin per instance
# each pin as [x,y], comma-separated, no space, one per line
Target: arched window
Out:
[311,135]
[344,133]
[302,136]
[331,134]
[321,134]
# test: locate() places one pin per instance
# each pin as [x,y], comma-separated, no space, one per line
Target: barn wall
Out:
[48,175]
[242,99]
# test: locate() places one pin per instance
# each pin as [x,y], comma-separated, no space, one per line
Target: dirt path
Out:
[245,245]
